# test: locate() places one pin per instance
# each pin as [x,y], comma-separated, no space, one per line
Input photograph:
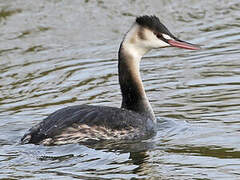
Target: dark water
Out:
[58,53]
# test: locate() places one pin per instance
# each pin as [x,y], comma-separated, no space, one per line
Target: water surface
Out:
[58,53]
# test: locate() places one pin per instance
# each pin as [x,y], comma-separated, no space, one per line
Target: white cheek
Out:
[157,43]
[136,51]
[154,42]
[162,44]
[166,36]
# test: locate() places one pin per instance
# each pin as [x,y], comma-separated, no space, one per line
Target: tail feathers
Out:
[26,139]
[32,137]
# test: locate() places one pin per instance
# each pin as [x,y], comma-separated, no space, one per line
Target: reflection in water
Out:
[58,53]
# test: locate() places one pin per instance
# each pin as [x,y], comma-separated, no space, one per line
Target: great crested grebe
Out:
[135,119]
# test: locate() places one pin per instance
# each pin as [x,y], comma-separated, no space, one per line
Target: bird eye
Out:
[159,35]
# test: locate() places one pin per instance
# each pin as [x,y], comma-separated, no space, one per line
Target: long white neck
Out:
[133,93]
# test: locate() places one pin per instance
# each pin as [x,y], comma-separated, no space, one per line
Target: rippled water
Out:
[58,53]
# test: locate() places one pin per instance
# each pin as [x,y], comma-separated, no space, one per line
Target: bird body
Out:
[135,119]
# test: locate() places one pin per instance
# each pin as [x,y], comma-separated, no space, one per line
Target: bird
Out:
[135,119]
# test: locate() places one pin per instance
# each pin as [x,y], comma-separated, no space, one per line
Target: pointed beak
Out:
[182,44]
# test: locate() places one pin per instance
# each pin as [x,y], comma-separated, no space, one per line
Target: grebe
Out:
[135,119]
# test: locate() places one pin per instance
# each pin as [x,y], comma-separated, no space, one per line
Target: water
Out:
[60,53]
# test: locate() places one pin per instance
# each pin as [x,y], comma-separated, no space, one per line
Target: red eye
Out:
[159,36]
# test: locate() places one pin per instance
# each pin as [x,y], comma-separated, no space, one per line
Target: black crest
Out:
[153,23]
